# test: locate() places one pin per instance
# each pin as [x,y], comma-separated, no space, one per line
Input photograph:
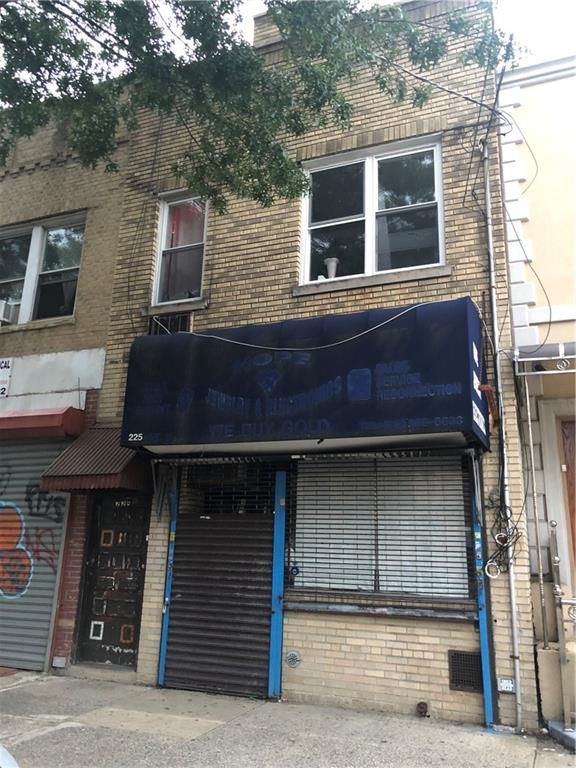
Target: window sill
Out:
[36,325]
[328,286]
[458,613]
[381,604]
[176,307]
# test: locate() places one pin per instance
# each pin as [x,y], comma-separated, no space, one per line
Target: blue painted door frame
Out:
[276,624]
[481,585]
[169,572]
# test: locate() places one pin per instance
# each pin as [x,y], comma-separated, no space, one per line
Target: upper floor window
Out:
[369,214]
[182,252]
[39,270]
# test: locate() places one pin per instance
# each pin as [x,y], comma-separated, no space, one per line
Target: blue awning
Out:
[384,377]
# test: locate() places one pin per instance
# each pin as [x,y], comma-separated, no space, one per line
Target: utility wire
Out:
[537,276]
[215,337]
[474,140]
[529,148]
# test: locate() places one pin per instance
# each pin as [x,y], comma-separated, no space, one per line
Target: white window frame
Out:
[165,203]
[371,157]
[37,232]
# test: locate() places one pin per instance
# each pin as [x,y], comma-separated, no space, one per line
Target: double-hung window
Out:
[374,213]
[39,270]
[182,251]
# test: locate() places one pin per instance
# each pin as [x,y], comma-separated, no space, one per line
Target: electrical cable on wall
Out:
[303,349]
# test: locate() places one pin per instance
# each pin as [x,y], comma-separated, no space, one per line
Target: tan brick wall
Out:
[378,663]
[43,180]
[153,598]
[251,267]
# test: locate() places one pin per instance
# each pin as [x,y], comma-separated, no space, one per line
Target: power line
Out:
[316,348]
[528,146]
[474,140]
[545,292]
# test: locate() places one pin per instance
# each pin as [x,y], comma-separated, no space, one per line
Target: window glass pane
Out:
[185,224]
[406,180]
[56,293]
[63,248]
[11,291]
[13,256]
[337,192]
[407,239]
[339,248]
[181,274]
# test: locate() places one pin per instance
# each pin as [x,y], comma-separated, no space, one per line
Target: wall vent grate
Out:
[465,671]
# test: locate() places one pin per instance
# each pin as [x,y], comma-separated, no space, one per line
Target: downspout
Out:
[502,426]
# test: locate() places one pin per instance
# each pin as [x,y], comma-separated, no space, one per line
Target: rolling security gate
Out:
[218,636]
[32,525]
[382,525]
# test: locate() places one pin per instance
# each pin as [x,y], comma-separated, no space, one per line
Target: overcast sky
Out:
[546,28]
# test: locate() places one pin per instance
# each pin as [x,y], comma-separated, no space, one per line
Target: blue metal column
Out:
[169,571]
[482,602]
[275,663]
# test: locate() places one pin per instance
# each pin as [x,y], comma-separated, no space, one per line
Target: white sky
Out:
[547,29]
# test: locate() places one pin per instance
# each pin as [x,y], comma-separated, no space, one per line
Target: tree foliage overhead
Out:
[96,63]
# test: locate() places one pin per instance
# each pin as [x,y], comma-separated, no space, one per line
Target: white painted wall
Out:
[55,380]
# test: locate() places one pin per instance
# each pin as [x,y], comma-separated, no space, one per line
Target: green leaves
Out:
[96,64]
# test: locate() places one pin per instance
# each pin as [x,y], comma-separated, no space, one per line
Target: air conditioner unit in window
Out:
[8,312]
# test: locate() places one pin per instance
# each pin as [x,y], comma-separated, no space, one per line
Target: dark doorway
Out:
[114,583]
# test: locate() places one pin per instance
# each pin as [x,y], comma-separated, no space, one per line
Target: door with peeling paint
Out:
[114,580]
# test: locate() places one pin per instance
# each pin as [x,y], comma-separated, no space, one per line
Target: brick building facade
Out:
[58,242]
[386,650]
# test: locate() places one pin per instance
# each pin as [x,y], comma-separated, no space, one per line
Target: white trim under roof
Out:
[532,74]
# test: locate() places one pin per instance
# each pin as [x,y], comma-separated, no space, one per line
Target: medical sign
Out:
[5,374]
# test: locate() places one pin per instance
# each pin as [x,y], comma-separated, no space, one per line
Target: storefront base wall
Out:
[69,594]
[151,625]
[368,662]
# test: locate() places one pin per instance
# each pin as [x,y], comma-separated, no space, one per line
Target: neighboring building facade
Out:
[540,188]
[58,235]
[323,498]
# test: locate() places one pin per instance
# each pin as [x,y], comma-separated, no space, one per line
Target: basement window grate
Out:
[465,671]
[162,325]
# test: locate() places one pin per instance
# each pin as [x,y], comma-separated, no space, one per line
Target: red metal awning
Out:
[96,460]
[51,423]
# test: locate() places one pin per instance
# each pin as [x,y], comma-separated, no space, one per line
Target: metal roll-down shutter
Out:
[382,525]
[32,525]
[219,622]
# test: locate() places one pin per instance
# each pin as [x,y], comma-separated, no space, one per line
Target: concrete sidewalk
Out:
[58,722]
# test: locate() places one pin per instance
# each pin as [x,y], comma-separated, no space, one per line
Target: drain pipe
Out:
[505,477]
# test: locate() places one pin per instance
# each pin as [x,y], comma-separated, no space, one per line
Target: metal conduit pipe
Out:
[536,523]
[505,478]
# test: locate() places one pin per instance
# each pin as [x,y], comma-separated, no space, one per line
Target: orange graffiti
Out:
[15,560]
